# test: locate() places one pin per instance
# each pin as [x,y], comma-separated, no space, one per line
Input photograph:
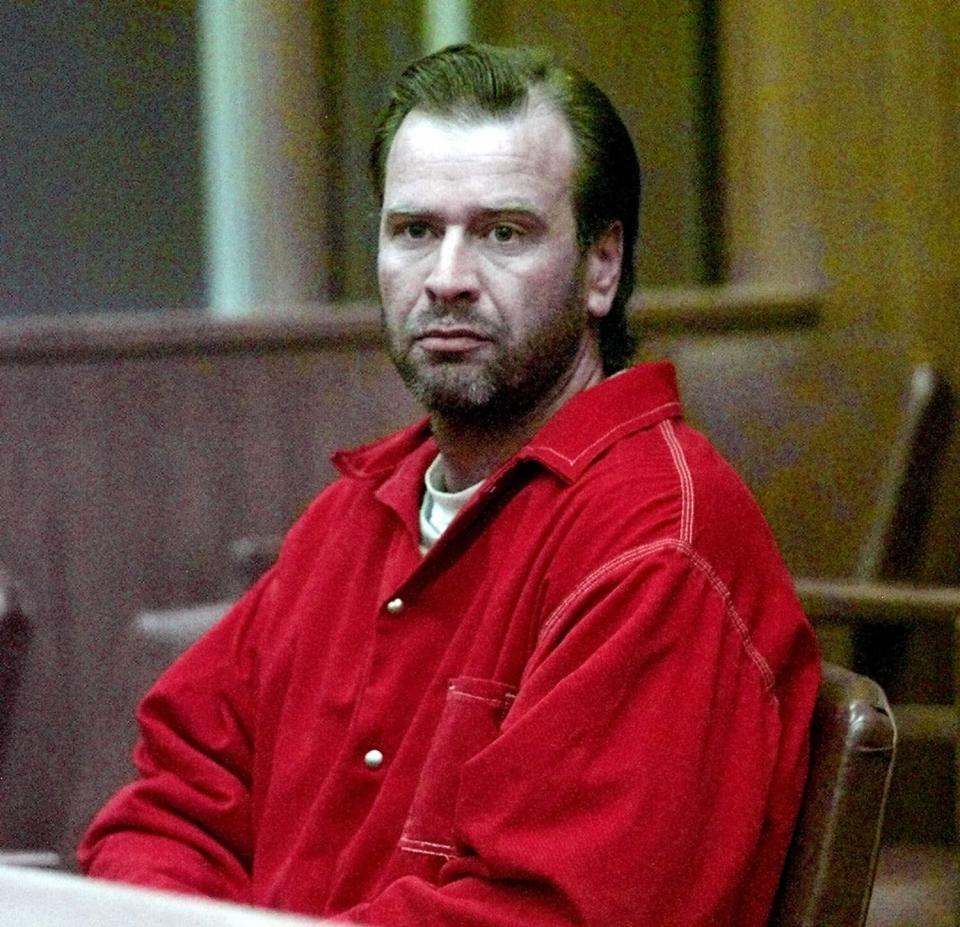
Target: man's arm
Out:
[648,772]
[185,824]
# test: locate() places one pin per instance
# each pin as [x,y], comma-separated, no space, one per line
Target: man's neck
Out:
[470,454]
[472,450]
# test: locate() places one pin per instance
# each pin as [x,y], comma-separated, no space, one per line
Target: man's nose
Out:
[453,277]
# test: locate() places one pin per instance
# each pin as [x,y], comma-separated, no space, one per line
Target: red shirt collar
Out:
[579,432]
[592,420]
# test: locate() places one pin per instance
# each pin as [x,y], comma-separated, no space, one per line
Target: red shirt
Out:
[590,698]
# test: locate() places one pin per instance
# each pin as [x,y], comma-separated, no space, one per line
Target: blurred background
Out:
[188,318]
[151,148]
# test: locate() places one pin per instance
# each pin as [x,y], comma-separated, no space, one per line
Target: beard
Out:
[519,372]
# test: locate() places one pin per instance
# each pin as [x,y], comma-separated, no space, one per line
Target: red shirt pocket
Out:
[471,719]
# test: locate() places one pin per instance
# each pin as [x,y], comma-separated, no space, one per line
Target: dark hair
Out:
[481,81]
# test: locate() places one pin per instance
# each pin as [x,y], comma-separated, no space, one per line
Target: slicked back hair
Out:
[473,83]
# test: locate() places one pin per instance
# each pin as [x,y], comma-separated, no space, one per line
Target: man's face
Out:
[479,270]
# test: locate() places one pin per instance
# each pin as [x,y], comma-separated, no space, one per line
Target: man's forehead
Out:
[535,110]
[535,140]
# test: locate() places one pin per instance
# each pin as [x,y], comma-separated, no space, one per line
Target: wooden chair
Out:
[250,557]
[153,641]
[893,546]
[828,876]
[15,634]
[931,611]
[845,446]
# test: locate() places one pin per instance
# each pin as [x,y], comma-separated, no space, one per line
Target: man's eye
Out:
[504,233]
[415,230]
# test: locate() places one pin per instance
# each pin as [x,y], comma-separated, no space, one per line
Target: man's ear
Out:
[602,270]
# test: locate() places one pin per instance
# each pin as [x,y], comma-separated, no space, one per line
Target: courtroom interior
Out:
[189,328]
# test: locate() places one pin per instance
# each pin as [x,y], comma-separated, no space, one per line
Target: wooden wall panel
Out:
[840,139]
[29,546]
[645,56]
[135,455]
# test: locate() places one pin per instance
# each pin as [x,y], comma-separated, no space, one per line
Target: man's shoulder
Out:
[719,500]
[665,503]
[668,489]
[671,462]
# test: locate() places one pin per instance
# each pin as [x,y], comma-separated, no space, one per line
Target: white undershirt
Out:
[439,507]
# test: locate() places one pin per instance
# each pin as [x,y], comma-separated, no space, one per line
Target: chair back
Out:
[894,543]
[250,557]
[14,644]
[828,876]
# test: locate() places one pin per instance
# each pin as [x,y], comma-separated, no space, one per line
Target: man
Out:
[535,660]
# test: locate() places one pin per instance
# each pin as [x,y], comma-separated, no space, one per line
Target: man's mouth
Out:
[458,340]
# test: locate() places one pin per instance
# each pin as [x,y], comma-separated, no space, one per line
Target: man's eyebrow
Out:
[511,208]
[406,212]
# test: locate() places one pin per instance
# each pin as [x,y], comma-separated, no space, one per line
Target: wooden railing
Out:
[662,310]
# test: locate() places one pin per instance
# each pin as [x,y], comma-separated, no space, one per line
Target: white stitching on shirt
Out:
[571,461]
[425,847]
[430,843]
[721,589]
[496,702]
[686,481]
[638,553]
[591,580]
